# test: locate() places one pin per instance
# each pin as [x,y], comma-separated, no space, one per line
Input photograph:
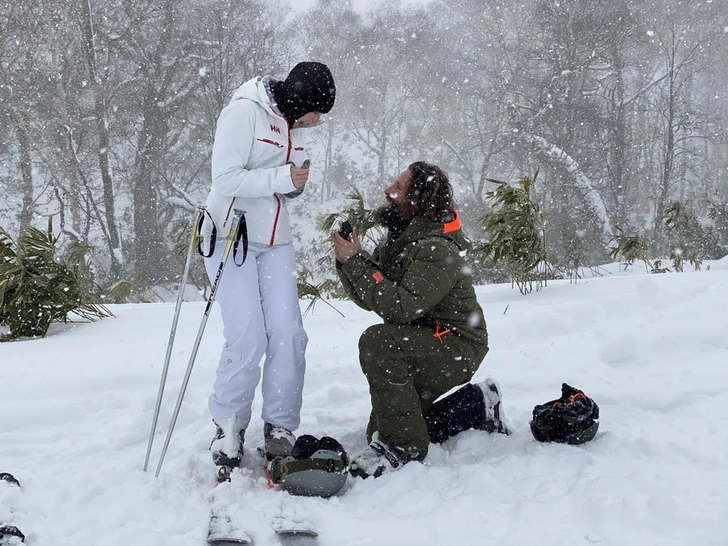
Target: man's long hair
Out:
[429,196]
[430,193]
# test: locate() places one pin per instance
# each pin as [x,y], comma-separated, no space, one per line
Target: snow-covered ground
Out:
[652,350]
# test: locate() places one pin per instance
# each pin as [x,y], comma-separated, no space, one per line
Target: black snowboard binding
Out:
[9,531]
[6,477]
[315,468]
[222,474]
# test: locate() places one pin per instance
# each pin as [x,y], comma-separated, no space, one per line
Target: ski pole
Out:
[239,230]
[173,331]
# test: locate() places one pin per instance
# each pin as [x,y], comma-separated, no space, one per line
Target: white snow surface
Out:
[651,350]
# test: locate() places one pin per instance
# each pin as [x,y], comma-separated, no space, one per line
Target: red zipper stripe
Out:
[268,141]
[278,199]
[275,222]
[290,143]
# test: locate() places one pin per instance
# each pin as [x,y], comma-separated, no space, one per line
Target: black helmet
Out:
[572,419]
[315,468]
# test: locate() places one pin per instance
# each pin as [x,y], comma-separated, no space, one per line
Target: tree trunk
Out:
[558,157]
[148,246]
[618,144]
[668,158]
[26,170]
[113,240]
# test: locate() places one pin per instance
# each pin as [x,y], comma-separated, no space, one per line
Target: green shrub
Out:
[516,234]
[683,238]
[687,238]
[36,289]
[630,247]
[718,213]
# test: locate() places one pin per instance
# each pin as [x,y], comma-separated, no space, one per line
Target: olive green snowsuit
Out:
[434,335]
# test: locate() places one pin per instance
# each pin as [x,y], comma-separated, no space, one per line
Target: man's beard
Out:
[391,217]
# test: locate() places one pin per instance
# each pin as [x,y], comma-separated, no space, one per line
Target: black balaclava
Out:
[309,87]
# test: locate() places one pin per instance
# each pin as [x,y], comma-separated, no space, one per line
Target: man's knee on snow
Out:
[374,345]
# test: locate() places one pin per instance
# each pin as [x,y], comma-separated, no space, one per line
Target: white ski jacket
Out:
[251,166]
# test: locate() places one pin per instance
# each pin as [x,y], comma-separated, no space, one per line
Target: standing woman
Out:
[259,162]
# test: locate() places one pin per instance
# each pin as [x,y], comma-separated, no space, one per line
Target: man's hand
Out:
[299,176]
[345,248]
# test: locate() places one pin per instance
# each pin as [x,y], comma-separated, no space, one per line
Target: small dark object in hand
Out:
[346,229]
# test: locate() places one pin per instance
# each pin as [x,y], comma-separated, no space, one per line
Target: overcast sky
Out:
[359,5]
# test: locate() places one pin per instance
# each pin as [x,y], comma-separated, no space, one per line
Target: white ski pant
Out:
[261,317]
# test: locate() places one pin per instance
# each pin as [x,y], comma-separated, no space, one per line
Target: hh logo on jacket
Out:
[275,129]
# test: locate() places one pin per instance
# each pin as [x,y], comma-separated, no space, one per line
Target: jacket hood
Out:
[256,90]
